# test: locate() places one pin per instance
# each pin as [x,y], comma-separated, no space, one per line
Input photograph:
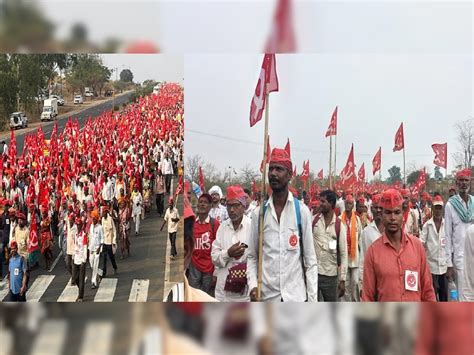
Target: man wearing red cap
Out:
[395,266]
[434,240]
[288,248]
[371,233]
[229,250]
[459,215]
[17,275]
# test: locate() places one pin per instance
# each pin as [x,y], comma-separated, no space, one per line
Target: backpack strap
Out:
[338,232]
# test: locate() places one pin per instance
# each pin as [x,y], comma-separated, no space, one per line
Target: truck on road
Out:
[50,110]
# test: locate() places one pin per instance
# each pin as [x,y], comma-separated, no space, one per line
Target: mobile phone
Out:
[244,245]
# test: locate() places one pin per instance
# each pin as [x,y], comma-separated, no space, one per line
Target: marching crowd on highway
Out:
[86,188]
[332,246]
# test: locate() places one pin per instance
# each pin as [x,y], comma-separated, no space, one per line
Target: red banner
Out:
[332,129]
[441,154]
[399,139]
[377,161]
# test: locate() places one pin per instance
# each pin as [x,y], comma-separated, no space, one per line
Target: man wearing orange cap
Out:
[459,215]
[229,250]
[395,266]
[288,248]
[372,232]
[434,240]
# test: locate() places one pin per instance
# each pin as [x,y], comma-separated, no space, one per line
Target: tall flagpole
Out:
[330,163]
[335,154]
[380,169]
[260,216]
[404,171]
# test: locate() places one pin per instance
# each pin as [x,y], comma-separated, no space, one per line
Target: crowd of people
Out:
[388,245]
[86,188]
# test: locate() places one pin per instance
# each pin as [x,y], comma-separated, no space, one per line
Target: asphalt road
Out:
[82,117]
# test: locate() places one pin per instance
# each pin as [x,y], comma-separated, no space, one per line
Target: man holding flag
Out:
[290,270]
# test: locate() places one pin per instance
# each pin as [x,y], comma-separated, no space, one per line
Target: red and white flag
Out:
[282,36]
[202,184]
[441,154]
[377,161]
[294,171]
[321,175]
[332,129]
[419,184]
[267,82]
[287,147]
[361,173]
[347,176]
[305,173]
[399,139]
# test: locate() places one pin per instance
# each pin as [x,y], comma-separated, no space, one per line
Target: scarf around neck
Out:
[466,214]
[351,234]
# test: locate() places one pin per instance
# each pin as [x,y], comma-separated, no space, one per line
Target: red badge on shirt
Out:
[293,242]
[411,280]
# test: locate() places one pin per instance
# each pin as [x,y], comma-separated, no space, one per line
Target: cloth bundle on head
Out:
[391,199]
[215,190]
[281,157]
[464,173]
[235,192]
[438,201]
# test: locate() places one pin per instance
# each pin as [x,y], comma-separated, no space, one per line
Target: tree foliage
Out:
[394,174]
[126,76]
[87,70]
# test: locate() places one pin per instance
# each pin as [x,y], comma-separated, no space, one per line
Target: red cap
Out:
[405,193]
[464,173]
[361,200]
[20,215]
[438,201]
[13,244]
[349,198]
[281,157]
[391,199]
[315,203]
[376,199]
[235,192]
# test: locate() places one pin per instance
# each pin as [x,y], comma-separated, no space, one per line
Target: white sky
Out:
[374,94]
[160,67]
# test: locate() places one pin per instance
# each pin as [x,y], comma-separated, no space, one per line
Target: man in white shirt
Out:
[229,250]
[96,239]
[172,218]
[371,233]
[434,241]
[458,216]
[107,189]
[288,248]
[80,257]
[468,284]
[167,170]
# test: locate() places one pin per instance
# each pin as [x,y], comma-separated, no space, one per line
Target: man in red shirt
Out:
[395,266]
[205,228]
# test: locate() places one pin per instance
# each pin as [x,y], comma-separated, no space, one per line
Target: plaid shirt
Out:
[219,213]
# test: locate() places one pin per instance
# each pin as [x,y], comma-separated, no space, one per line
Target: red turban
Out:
[464,173]
[391,199]
[281,157]
[376,199]
[349,198]
[235,192]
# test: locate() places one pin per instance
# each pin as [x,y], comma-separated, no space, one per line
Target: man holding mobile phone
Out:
[229,250]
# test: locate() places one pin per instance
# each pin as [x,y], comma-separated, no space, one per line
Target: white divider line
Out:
[70,293]
[6,339]
[51,338]
[56,261]
[139,292]
[97,338]
[38,288]
[4,289]
[106,290]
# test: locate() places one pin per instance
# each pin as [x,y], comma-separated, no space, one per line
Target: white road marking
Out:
[97,338]
[70,293]
[51,339]
[39,286]
[106,290]
[4,289]
[139,292]
[56,261]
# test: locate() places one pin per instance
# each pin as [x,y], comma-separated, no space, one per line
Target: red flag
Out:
[361,173]
[268,155]
[332,129]
[201,181]
[267,82]
[347,175]
[282,37]
[321,175]
[305,173]
[179,188]
[377,161]
[287,147]
[419,184]
[33,243]
[12,149]
[254,187]
[399,139]
[294,170]
[441,154]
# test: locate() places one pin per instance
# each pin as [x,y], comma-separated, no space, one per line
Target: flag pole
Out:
[330,162]
[335,154]
[404,171]
[260,216]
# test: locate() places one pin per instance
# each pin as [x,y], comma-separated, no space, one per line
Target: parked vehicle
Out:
[50,110]
[18,120]
[59,98]
[78,99]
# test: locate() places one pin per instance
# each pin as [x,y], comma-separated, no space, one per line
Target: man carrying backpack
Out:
[290,271]
[331,249]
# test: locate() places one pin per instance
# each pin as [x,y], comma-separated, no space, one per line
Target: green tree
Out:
[8,88]
[126,76]
[87,70]
[394,174]
[413,176]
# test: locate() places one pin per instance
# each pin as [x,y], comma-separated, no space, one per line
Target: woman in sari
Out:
[124,226]
[46,237]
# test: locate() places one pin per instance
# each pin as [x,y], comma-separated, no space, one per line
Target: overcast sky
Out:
[160,67]
[374,92]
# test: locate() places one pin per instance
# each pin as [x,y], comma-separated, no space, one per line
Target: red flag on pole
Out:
[287,147]
[361,173]
[294,170]
[347,175]
[12,149]
[267,82]
[305,173]
[332,129]
[441,154]
[399,139]
[268,155]
[201,180]
[377,161]
[419,184]
[282,36]
[321,175]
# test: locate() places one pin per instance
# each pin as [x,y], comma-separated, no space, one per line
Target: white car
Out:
[18,120]
[78,99]
[89,94]
[59,98]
